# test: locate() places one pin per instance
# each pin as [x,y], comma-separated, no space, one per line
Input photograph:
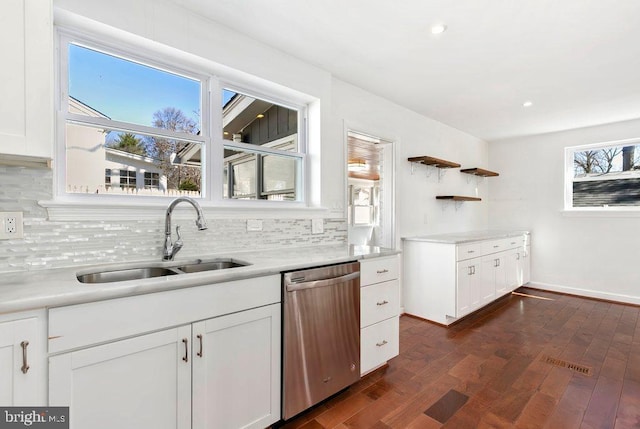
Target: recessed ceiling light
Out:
[438,29]
[527,103]
[260,115]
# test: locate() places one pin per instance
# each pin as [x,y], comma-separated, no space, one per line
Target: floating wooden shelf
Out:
[479,172]
[457,198]
[436,162]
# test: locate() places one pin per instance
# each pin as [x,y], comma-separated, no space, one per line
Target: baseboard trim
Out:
[606,296]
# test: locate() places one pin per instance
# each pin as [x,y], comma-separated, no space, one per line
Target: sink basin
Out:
[139,273]
[216,264]
[123,275]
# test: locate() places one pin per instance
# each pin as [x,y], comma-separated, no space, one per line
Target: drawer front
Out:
[495,246]
[379,302]
[515,242]
[379,343]
[378,270]
[468,251]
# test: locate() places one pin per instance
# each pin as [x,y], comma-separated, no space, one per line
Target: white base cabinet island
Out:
[448,276]
[202,357]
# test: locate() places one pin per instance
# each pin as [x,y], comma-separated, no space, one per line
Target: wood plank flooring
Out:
[491,371]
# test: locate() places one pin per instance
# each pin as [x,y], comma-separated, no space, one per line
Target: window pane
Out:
[279,175]
[102,85]
[242,180]
[259,122]
[115,162]
[606,177]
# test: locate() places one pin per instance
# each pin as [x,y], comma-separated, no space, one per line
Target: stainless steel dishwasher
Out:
[321,343]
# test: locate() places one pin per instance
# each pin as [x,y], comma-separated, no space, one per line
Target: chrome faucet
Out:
[170,248]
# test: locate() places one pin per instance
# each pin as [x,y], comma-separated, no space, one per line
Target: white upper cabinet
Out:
[26,79]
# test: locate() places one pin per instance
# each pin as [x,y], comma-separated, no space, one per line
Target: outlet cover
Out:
[11,225]
[254,225]
[317,226]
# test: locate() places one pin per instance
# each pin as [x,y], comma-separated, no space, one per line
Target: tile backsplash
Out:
[49,244]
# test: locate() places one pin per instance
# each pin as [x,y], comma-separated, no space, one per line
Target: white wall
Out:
[587,255]
[417,210]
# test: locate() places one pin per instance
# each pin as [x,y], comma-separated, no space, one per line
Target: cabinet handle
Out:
[25,365]
[496,246]
[383,302]
[470,271]
[186,350]
[383,343]
[199,336]
[518,256]
[471,251]
[473,269]
[382,271]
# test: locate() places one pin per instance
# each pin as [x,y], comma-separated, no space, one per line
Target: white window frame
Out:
[89,206]
[569,209]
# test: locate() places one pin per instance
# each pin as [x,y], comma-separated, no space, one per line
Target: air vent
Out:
[569,365]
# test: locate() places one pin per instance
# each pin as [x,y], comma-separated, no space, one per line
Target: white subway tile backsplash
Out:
[57,244]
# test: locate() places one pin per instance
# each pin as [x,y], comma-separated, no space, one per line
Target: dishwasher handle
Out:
[292,287]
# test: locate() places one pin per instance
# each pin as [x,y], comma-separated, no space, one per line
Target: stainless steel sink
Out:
[216,264]
[128,274]
[115,275]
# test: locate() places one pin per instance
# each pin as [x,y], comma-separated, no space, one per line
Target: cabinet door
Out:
[26,78]
[468,293]
[504,273]
[141,382]
[18,341]
[236,370]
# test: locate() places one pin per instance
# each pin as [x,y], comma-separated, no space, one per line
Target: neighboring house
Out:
[99,168]
[623,189]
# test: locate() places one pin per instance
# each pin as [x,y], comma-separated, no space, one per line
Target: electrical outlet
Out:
[317,226]
[11,225]
[254,225]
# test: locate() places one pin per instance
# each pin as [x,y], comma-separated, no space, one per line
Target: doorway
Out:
[370,190]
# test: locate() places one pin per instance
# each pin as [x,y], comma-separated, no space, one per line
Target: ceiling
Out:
[578,61]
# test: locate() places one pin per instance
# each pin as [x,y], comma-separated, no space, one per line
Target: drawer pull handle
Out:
[186,350]
[199,336]
[383,343]
[471,251]
[382,271]
[25,365]
[496,246]
[383,302]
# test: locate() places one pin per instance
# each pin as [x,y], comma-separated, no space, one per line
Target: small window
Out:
[603,175]
[262,157]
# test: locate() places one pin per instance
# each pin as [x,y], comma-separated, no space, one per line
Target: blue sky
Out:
[127,91]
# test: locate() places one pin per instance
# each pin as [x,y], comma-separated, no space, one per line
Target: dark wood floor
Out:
[503,368]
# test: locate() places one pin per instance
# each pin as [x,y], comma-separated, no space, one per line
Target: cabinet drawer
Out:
[378,270]
[495,246]
[379,302]
[514,242]
[468,251]
[379,343]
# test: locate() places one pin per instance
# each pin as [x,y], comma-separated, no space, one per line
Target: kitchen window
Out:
[604,176]
[134,127]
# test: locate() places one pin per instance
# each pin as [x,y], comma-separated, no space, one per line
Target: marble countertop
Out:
[468,236]
[57,287]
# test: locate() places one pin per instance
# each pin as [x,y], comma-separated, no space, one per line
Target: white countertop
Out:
[468,236]
[57,287]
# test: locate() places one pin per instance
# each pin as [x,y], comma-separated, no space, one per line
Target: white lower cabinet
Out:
[469,293]
[22,369]
[236,370]
[448,277]
[217,372]
[140,382]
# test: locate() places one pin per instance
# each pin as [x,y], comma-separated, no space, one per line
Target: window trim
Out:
[613,211]
[212,141]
